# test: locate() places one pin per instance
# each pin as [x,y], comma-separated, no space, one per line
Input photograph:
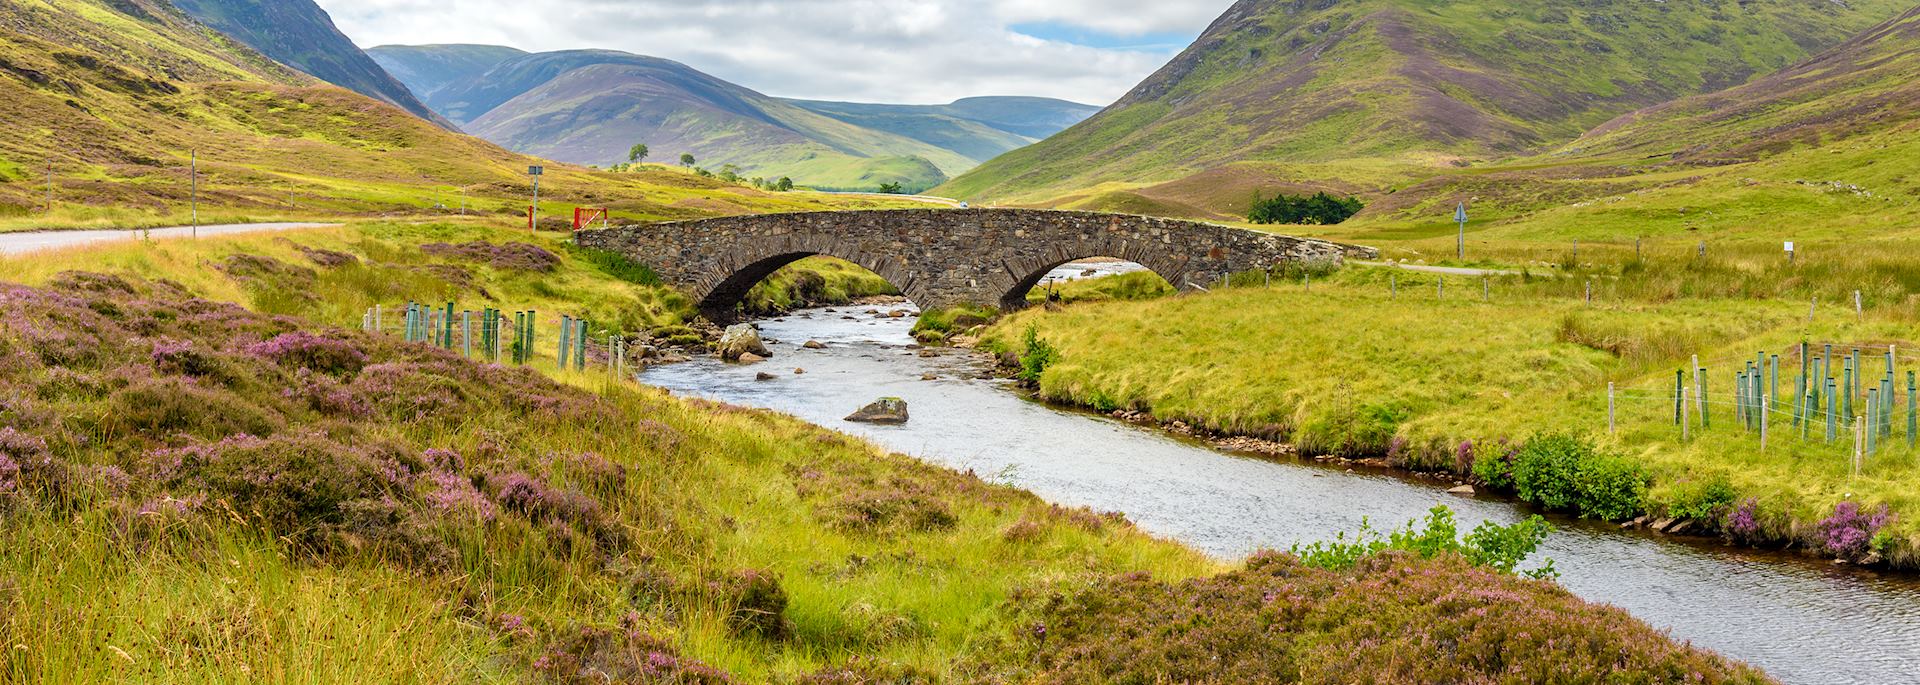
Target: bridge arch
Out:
[1015,298]
[945,257]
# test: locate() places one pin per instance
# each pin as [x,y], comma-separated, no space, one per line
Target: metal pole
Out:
[533,222]
[1765,401]
[1684,437]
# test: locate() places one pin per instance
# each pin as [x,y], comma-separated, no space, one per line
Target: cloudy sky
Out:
[906,51]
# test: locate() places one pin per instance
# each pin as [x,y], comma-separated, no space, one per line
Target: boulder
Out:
[763,376]
[751,358]
[929,377]
[897,314]
[1462,490]
[886,410]
[798,372]
[815,345]
[742,339]
[928,353]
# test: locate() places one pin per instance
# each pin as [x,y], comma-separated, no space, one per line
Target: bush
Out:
[1566,473]
[1319,208]
[755,603]
[1490,544]
[1706,501]
[1036,355]
[303,350]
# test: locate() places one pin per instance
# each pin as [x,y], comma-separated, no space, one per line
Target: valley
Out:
[1592,360]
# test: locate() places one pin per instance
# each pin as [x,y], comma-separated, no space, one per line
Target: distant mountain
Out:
[1869,84]
[426,69]
[1371,91]
[590,106]
[301,35]
[979,128]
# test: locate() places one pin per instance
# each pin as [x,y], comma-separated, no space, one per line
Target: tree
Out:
[1319,208]
[894,188]
[686,159]
[638,153]
[783,185]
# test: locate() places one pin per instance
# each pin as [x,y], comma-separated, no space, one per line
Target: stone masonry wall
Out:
[945,257]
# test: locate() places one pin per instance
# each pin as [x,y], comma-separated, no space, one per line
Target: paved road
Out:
[1447,270]
[33,241]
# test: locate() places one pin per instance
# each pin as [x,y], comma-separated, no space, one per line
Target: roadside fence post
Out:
[1393,286]
[1589,293]
[1859,308]
[566,342]
[466,333]
[1486,289]
[1679,396]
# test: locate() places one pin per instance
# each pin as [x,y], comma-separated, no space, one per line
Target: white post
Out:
[376,318]
[1766,401]
[1858,308]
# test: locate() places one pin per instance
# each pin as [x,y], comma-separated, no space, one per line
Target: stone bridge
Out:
[946,257]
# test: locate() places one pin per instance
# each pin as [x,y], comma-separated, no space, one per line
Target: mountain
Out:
[301,35]
[591,106]
[979,128]
[426,69]
[116,97]
[1869,84]
[1372,92]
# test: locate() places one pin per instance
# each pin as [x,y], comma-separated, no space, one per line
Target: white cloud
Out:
[919,51]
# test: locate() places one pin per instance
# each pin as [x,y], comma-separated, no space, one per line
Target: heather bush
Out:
[754,603]
[303,350]
[173,404]
[895,505]
[513,256]
[592,655]
[1849,532]
[1393,617]
[291,483]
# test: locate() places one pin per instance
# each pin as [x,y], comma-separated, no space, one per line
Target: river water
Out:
[1802,620]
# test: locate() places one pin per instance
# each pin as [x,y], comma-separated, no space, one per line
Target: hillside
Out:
[591,106]
[301,35]
[1374,92]
[120,94]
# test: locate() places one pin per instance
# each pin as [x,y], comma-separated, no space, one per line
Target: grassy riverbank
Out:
[193,492]
[1380,363]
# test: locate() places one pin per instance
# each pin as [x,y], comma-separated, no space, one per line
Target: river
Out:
[1802,620]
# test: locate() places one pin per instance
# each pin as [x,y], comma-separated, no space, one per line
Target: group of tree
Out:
[1319,208]
[893,188]
[728,172]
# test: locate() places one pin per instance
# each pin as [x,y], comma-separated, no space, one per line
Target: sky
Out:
[894,51]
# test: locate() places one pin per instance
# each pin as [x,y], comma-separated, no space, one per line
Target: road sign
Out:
[1460,217]
[536,170]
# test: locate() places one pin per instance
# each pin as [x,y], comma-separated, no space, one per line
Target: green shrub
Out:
[1037,354]
[1490,544]
[1566,472]
[1705,500]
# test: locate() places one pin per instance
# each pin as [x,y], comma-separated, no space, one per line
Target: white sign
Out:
[1789,246]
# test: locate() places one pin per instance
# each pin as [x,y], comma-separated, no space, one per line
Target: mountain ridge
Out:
[590,106]
[300,34]
[1397,89]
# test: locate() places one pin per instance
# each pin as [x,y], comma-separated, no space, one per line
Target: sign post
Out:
[533,213]
[193,174]
[1789,253]
[1460,217]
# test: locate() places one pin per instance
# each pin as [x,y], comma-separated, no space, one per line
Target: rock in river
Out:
[742,339]
[815,345]
[888,410]
[764,376]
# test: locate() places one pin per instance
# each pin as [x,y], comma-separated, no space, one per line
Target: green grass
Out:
[1344,367]
[208,600]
